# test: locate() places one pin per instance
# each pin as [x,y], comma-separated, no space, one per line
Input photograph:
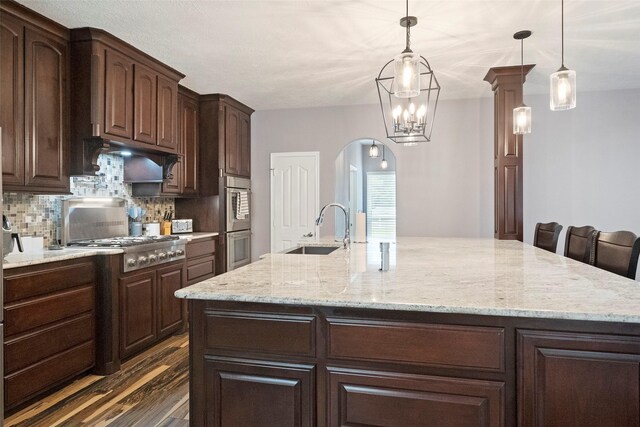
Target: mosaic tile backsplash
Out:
[39,216]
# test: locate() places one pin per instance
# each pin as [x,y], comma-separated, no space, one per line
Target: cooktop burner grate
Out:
[121,242]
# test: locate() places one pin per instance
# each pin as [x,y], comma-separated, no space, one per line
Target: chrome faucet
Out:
[347,228]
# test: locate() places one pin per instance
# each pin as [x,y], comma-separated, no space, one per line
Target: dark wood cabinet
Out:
[578,379]
[137,312]
[189,142]
[118,110]
[201,259]
[12,99]
[280,394]
[148,309]
[225,141]
[167,113]
[244,157]
[185,174]
[237,142]
[404,368]
[119,94]
[49,335]
[171,310]
[363,398]
[144,104]
[34,103]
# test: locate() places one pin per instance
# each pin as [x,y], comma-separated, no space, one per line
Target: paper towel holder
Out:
[360,235]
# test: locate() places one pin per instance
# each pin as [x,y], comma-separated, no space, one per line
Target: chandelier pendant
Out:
[408,92]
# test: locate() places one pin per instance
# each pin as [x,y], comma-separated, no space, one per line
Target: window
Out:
[381,205]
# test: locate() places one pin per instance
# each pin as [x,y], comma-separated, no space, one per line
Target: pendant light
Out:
[408,93]
[563,82]
[384,164]
[374,151]
[522,113]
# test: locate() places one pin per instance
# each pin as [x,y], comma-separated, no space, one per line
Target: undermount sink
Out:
[313,250]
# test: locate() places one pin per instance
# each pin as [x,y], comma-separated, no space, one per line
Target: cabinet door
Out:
[144,107]
[359,398]
[189,146]
[46,118]
[174,185]
[170,309]
[119,96]
[578,379]
[258,393]
[232,141]
[137,312]
[11,101]
[244,157]
[167,113]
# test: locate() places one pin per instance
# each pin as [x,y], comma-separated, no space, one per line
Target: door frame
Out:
[313,154]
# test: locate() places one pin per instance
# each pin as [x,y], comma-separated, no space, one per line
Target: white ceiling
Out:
[294,53]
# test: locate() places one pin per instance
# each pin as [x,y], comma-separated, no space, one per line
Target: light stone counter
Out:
[445,275]
[15,260]
[197,235]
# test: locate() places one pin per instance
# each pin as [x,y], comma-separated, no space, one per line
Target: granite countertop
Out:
[445,275]
[19,259]
[197,235]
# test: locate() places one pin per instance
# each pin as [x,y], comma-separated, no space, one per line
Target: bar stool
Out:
[546,236]
[576,243]
[615,251]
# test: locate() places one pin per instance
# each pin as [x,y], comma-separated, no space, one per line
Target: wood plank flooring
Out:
[152,389]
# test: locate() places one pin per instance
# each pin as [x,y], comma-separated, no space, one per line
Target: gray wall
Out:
[445,188]
[582,166]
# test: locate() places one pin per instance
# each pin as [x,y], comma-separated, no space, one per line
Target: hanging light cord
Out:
[408,28]
[562,26]
[522,61]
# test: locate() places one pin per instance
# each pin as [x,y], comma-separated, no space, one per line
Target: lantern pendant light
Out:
[374,151]
[563,83]
[384,164]
[408,91]
[522,113]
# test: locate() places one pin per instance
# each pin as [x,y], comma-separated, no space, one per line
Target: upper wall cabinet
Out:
[185,174]
[225,140]
[34,102]
[121,95]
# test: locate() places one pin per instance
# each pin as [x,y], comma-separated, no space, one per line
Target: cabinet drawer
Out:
[29,382]
[201,247]
[23,316]
[432,344]
[358,398]
[260,333]
[201,268]
[50,280]
[29,349]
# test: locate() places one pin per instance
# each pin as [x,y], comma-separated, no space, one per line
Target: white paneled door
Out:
[294,198]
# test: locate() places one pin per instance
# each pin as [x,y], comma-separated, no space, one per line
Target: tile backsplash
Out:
[39,216]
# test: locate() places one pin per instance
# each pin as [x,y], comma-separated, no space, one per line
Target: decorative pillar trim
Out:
[507,151]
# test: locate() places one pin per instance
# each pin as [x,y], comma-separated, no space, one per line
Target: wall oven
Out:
[238,203]
[238,249]
[238,221]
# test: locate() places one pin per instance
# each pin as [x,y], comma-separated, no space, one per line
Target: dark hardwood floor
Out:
[152,389]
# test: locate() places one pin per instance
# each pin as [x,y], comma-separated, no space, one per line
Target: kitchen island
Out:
[458,332]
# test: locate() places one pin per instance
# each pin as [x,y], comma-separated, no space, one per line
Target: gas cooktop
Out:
[122,242]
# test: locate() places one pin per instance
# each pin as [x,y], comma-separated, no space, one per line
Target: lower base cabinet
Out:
[369,398]
[148,309]
[259,393]
[49,330]
[274,365]
[578,379]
